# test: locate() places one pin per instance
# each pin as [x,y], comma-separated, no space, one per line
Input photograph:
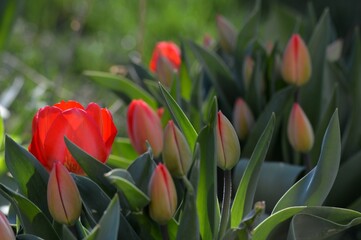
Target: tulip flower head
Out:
[144,125]
[176,154]
[296,64]
[6,233]
[169,51]
[163,195]
[299,130]
[228,148]
[63,196]
[91,128]
[227,34]
[243,119]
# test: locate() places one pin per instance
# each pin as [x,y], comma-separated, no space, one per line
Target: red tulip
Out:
[168,50]
[92,129]
[144,125]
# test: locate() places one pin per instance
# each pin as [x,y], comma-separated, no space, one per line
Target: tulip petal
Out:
[64,105]
[168,50]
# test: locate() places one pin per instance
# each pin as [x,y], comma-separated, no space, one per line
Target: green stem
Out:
[80,229]
[164,231]
[226,203]
[188,185]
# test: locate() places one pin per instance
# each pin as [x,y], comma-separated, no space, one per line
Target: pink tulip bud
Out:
[243,119]
[165,71]
[6,232]
[296,65]
[144,125]
[168,50]
[177,154]
[228,149]
[227,34]
[163,195]
[299,130]
[63,196]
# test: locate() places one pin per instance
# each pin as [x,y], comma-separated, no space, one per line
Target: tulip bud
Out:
[299,130]
[6,232]
[63,196]
[177,154]
[163,195]
[243,119]
[248,66]
[144,125]
[165,71]
[228,149]
[296,65]
[227,33]
[167,50]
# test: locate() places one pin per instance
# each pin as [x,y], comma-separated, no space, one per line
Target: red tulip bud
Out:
[163,195]
[296,65]
[228,149]
[177,154]
[299,130]
[243,119]
[167,50]
[227,34]
[144,125]
[6,232]
[63,196]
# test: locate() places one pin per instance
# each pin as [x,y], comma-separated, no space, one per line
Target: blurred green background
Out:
[46,45]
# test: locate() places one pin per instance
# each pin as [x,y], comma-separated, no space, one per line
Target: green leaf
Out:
[123,153]
[109,223]
[184,78]
[7,17]
[207,203]
[313,188]
[29,174]
[31,217]
[135,197]
[181,119]
[28,237]
[92,167]
[121,85]
[220,76]
[310,93]
[243,200]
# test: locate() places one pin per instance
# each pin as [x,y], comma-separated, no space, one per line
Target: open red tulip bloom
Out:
[169,51]
[92,129]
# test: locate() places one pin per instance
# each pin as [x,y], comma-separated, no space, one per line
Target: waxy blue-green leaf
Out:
[122,85]
[180,118]
[135,197]
[243,200]
[92,167]
[29,174]
[313,188]
[31,217]
[220,76]
[207,203]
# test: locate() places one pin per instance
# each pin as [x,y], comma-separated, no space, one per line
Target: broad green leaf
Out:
[180,118]
[29,237]
[31,217]
[244,198]
[310,93]
[109,223]
[184,78]
[122,85]
[29,174]
[220,76]
[313,188]
[7,17]
[135,197]
[118,162]
[92,167]
[276,105]
[95,200]
[207,202]
[123,153]
[141,171]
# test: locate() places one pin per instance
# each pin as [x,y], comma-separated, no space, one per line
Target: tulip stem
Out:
[226,203]
[80,229]
[164,231]
[188,185]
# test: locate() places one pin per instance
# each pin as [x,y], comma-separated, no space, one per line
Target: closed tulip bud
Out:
[299,130]
[144,125]
[163,195]
[177,154]
[227,34]
[63,196]
[243,119]
[228,148]
[296,63]
[167,50]
[248,66]
[6,232]
[165,71]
